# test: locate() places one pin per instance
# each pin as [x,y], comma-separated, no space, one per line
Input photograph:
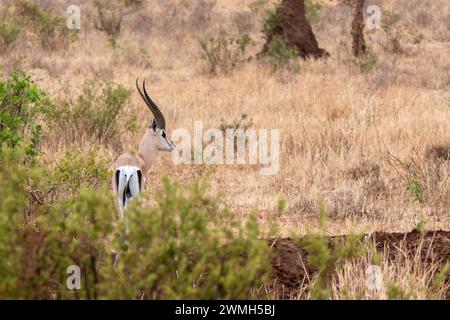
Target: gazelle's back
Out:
[128,159]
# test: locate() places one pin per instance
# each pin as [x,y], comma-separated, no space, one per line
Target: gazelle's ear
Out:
[153,125]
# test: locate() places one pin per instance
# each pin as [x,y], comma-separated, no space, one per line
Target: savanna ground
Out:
[365,140]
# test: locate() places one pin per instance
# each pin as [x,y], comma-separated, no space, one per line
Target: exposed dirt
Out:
[290,263]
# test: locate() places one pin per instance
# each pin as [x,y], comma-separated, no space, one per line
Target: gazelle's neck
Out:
[147,149]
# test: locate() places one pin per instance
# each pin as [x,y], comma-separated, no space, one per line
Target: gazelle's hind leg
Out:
[121,186]
[128,185]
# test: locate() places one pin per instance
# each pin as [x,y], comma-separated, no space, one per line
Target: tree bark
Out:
[295,30]
[359,45]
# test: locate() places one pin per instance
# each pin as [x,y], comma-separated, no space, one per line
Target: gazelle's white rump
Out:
[128,181]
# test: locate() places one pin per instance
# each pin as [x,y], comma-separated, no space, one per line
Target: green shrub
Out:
[93,115]
[9,32]
[49,27]
[36,251]
[415,189]
[365,63]
[224,53]
[399,36]
[439,281]
[395,292]
[185,247]
[22,106]
[420,225]
[271,23]
[281,56]
[78,169]
[110,16]
[189,247]
[278,53]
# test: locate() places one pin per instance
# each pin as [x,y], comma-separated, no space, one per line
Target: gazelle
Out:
[130,170]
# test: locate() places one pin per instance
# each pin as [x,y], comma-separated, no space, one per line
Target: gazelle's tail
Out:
[127,185]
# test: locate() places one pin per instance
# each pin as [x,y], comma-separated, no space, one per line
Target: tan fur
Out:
[148,148]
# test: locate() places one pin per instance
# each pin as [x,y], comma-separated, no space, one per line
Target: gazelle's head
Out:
[157,127]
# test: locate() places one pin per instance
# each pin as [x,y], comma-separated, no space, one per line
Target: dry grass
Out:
[407,277]
[340,128]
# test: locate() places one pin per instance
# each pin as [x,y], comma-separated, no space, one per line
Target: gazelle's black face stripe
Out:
[164,135]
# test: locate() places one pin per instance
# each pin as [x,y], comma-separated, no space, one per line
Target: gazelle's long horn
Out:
[161,122]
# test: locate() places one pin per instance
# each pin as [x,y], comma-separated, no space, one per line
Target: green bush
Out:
[271,23]
[278,53]
[365,63]
[415,189]
[185,247]
[9,28]
[78,169]
[9,32]
[224,53]
[281,56]
[110,16]
[36,251]
[93,115]
[22,106]
[189,247]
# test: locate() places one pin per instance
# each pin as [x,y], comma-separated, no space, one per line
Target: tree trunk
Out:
[294,29]
[359,45]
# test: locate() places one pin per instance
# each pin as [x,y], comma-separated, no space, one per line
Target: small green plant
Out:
[22,106]
[276,49]
[242,123]
[110,16]
[420,225]
[365,63]
[399,37]
[271,23]
[417,38]
[439,281]
[395,292]
[415,189]
[281,56]
[8,33]
[224,53]
[78,169]
[368,62]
